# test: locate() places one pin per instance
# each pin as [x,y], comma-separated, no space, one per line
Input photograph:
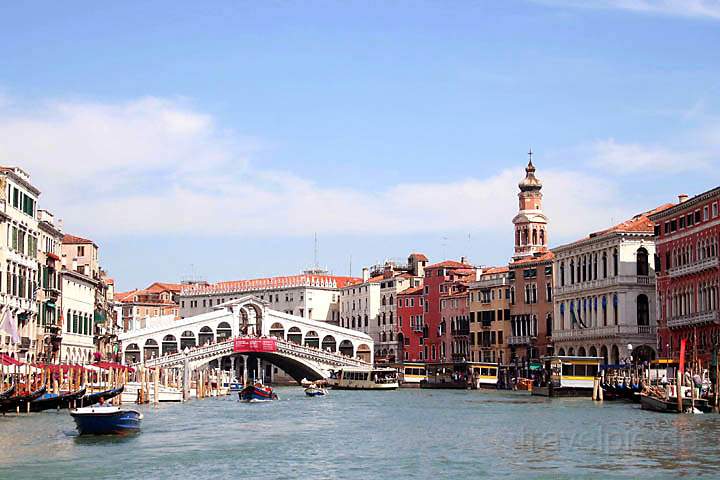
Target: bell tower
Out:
[531,236]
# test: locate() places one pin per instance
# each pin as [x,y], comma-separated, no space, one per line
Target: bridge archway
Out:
[224,331]
[132,353]
[151,349]
[205,335]
[363,352]
[169,345]
[329,343]
[312,339]
[277,330]
[187,340]
[294,335]
[346,348]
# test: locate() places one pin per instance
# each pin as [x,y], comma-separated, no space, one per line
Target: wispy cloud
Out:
[684,8]
[626,158]
[156,166]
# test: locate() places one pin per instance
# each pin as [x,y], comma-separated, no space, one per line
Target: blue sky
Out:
[218,138]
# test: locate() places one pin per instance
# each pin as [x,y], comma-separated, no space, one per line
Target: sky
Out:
[214,139]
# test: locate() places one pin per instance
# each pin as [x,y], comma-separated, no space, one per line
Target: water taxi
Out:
[484,375]
[461,375]
[364,379]
[568,376]
[411,374]
[106,420]
[315,390]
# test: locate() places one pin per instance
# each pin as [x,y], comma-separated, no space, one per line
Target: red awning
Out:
[8,360]
[52,255]
[62,367]
[109,365]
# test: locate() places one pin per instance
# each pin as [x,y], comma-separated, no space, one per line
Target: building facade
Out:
[138,308]
[49,295]
[437,283]
[490,327]
[410,319]
[605,293]
[687,238]
[19,239]
[530,276]
[311,295]
[455,323]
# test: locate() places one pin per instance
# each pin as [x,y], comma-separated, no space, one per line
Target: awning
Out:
[6,360]
[52,255]
[62,367]
[109,365]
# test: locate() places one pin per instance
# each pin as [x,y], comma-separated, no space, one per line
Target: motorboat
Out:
[105,420]
[364,379]
[314,390]
[91,399]
[257,393]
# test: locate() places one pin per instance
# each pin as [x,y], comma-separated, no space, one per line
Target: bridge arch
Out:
[312,339]
[132,353]
[169,345]
[151,349]
[277,330]
[206,335]
[187,340]
[363,352]
[329,343]
[346,348]
[294,335]
[223,331]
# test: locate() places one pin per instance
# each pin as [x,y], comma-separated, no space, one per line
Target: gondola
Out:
[20,400]
[106,420]
[7,393]
[93,398]
[51,401]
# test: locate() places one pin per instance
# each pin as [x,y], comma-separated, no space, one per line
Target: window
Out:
[706,214]
[643,267]
[615,262]
[643,310]
[714,210]
[81,251]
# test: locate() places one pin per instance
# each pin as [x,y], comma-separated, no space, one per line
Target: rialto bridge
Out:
[304,348]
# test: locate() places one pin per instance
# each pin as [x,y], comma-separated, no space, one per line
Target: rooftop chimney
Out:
[365,274]
[682,198]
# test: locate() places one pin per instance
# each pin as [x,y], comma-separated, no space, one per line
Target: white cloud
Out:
[684,8]
[155,166]
[625,158]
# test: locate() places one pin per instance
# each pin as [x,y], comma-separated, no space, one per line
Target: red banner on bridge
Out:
[254,345]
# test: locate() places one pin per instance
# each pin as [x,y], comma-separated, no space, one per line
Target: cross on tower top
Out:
[530,153]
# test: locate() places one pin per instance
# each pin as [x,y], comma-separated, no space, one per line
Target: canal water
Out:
[364,435]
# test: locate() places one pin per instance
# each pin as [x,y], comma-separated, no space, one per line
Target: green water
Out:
[372,435]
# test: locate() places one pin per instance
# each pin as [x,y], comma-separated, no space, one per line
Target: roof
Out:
[495,270]
[545,257]
[122,296]
[158,287]
[419,256]
[688,204]
[73,240]
[449,264]
[271,283]
[375,279]
[412,291]
[639,223]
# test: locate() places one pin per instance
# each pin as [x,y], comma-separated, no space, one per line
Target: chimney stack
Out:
[365,274]
[682,198]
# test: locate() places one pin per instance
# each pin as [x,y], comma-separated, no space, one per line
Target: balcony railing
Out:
[604,332]
[519,340]
[694,267]
[694,319]
[605,282]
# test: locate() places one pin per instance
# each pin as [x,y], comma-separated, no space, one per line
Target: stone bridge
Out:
[305,348]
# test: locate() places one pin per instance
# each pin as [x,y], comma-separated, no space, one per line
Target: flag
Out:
[682,354]
[9,326]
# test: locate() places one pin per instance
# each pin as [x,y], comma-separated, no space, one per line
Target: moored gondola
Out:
[20,400]
[7,393]
[50,401]
[93,398]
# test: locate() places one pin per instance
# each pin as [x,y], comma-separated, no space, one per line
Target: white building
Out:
[78,303]
[310,295]
[604,302]
[49,294]
[19,236]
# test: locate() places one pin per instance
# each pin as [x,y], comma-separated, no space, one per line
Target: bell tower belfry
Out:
[531,235]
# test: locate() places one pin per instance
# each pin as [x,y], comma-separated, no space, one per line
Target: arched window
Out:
[615,262]
[572,272]
[643,310]
[562,274]
[542,237]
[604,264]
[534,237]
[643,267]
[391,300]
[383,301]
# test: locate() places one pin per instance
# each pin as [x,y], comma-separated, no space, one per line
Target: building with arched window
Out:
[605,292]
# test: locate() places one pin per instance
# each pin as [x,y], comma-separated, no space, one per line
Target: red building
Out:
[438,283]
[688,276]
[410,320]
[455,322]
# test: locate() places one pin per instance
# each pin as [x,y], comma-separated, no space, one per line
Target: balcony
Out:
[694,267]
[519,340]
[694,319]
[51,293]
[604,283]
[460,332]
[605,332]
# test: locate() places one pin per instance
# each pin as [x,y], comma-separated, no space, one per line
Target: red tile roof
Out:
[72,240]
[158,287]
[419,256]
[449,264]
[495,270]
[122,296]
[412,291]
[271,283]
[545,257]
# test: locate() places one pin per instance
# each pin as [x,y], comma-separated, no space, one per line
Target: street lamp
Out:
[630,349]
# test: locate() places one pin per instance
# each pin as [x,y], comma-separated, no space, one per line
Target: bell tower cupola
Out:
[531,235]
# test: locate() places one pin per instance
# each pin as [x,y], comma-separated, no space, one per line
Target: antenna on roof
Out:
[316,252]
[350,272]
